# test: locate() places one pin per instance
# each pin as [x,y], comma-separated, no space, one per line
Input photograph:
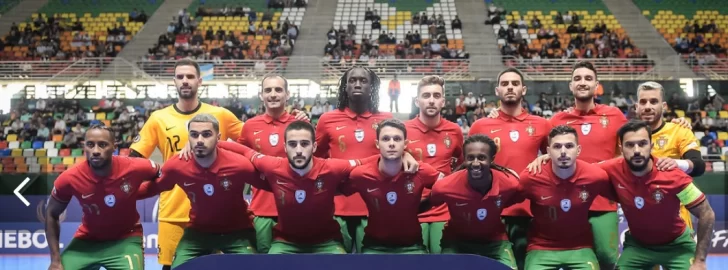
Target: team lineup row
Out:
[561,214]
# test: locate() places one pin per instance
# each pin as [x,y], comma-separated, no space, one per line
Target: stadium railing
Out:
[717,69]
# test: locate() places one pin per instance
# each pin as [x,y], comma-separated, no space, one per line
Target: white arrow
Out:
[17,192]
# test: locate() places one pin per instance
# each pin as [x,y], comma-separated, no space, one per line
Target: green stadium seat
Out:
[77,152]
[26,145]
[56,160]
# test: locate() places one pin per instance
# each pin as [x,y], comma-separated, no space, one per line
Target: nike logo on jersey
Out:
[570,122]
[414,141]
[372,190]
[545,198]
[494,130]
[461,204]
[256,132]
[620,186]
[188,184]
[340,128]
[87,196]
[280,183]
[167,129]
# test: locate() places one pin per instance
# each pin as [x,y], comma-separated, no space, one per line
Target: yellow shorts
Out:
[168,237]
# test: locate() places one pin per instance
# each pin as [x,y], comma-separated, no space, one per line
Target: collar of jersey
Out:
[283,118]
[351,114]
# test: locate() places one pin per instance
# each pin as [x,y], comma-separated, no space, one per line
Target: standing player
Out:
[304,188]
[349,133]
[391,196]
[475,198]
[675,146]
[106,186]
[561,194]
[521,135]
[165,130]
[650,199]
[435,141]
[213,182]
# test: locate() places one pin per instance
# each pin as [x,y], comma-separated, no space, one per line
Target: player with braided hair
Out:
[475,198]
[350,133]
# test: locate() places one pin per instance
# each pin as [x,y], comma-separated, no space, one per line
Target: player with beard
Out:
[435,141]
[349,133]
[650,198]
[106,186]
[213,182]
[521,135]
[475,198]
[391,196]
[675,146]
[561,195]
[304,187]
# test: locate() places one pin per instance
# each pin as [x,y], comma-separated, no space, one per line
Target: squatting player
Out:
[304,190]
[435,141]
[561,194]
[349,133]
[475,198]
[213,181]
[391,195]
[165,130]
[521,136]
[650,199]
[106,186]
[674,145]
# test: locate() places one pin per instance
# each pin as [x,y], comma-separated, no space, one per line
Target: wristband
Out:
[683,165]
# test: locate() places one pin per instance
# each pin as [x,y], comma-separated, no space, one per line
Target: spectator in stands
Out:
[351,28]
[69,141]
[535,23]
[368,15]
[558,18]
[456,23]
[43,133]
[713,99]
[714,152]
[60,126]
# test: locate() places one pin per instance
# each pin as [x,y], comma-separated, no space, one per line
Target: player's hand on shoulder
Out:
[410,163]
[55,266]
[535,166]
[185,153]
[666,164]
[681,121]
[493,113]
[698,265]
[300,115]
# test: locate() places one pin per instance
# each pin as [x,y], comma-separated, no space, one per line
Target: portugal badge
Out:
[125,187]
[530,130]
[447,141]
[604,121]
[658,195]
[225,184]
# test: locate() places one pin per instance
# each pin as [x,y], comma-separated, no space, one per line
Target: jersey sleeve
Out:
[266,164]
[343,167]
[517,197]
[146,168]
[237,148]
[689,194]
[525,183]
[148,138]
[457,153]
[436,194]
[233,125]
[322,137]
[62,189]
[242,138]
[168,178]
[686,141]
[348,188]
[545,139]
[428,175]
[247,173]
[605,186]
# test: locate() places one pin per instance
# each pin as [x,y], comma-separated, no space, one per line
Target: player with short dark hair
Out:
[106,186]
[213,181]
[650,199]
[475,198]
[518,136]
[561,195]
[436,141]
[349,133]
[391,196]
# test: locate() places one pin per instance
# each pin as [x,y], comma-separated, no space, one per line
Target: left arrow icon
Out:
[17,191]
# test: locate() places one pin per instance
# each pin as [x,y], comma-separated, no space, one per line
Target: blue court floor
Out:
[40,262]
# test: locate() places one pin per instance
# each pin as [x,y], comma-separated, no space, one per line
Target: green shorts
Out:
[380,249]
[352,231]
[517,230]
[330,247]
[605,228]
[578,259]
[264,232]
[432,236]
[678,254]
[500,251]
[124,254]
[195,244]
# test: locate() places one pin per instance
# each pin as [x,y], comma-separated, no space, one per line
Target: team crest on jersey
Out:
[481,213]
[447,141]
[226,184]
[585,128]
[658,195]
[661,142]
[375,126]
[273,139]
[410,186]
[639,202]
[530,129]
[208,189]
[125,187]
[431,149]
[583,195]
[498,201]
[604,121]
[359,135]
[566,205]
[514,135]
[110,200]
[319,185]
[300,195]
[392,197]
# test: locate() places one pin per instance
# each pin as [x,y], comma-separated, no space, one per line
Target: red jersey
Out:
[474,217]
[442,148]
[214,192]
[391,200]
[346,135]
[522,137]
[651,203]
[108,203]
[597,130]
[561,206]
[265,135]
